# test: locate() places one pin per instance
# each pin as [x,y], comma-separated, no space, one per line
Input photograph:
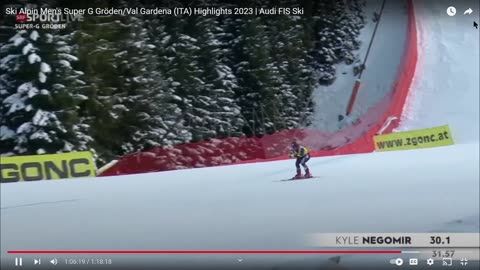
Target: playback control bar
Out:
[439,258]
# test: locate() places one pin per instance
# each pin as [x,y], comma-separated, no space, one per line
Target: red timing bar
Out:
[204,251]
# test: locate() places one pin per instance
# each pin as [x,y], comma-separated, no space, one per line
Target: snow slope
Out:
[246,206]
[445,89]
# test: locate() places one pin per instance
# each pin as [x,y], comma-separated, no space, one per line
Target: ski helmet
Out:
[294,145]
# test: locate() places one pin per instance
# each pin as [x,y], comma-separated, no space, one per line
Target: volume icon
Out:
[54,261]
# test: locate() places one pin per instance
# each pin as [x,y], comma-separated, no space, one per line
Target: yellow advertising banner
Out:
[422,138]
[43,167]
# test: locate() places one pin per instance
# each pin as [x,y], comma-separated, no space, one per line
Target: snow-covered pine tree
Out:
[250,56]
[131,106]
[179,63]
[337,25]
[6,82]
[39,95]
[68,88]
[290,43]
[216,97]
[161,31]
[101,55]
[150,116]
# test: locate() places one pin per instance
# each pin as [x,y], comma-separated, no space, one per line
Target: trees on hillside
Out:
[40,92]
[120,84]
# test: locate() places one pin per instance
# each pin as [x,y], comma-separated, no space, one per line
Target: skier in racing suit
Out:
[301,153]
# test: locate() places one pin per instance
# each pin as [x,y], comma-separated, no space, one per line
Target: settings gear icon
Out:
[430,261]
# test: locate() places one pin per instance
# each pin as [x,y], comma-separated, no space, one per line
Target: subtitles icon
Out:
[413,261]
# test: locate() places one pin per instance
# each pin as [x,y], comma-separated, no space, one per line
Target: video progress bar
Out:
[204,252]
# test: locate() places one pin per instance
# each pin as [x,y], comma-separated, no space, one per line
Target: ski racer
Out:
[301,153]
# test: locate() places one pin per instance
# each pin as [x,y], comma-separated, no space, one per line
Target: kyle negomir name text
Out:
[373,240]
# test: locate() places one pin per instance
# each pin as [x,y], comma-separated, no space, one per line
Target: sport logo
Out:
[46,15]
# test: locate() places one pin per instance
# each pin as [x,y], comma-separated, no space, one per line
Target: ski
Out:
[302,178]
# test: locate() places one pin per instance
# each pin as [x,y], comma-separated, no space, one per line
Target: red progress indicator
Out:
[204,252]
